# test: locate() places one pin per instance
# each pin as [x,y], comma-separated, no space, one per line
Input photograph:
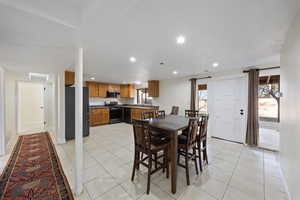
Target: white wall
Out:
[290,109]
[174,92]
[49,107]
[11,79]
[2,112]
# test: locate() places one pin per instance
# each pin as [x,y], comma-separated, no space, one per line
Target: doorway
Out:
[269,110]
[30,112]
[229,108]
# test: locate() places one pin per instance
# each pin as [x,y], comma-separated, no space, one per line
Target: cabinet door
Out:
[131,91]
[103,87]
[105,116]
[69,78]
[114,87]
[127,91]
[153,88]
[93,89]
[124,91]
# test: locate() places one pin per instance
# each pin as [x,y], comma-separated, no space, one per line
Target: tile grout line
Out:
[264,175]
[228,184]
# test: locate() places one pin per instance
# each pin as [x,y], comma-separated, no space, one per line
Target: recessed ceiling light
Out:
[92,78]
[175,72]
[215,64]
[138,82]
[180,39]
[132,59]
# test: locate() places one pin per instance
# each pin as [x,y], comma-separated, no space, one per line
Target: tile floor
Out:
[235,172]
[269,138]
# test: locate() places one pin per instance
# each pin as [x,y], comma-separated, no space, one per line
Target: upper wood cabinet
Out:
[127,91]
[103,88]
[153,88]
[99,90]
[69,78]
[113,87]
[93,89]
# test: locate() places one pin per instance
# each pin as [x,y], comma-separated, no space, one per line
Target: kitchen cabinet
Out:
[99,116]
[102,89]
[114,87]
[127,91]
[93,89]
[69,78]
[136,113]
[153,88]
[99,90]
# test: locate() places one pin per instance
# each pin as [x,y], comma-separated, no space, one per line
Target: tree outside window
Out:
[202,99]
[269,98]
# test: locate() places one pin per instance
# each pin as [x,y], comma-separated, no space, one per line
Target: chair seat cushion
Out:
[159,140]
[182,139]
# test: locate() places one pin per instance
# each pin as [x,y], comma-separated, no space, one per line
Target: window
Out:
[268,98]
[143,97]
[202,98]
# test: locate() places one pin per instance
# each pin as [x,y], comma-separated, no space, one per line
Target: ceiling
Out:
[42,36]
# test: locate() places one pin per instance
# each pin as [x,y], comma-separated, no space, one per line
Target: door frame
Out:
[244,100]
[2,113]
[19,106]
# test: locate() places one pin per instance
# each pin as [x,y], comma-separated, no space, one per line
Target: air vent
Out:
[38,77]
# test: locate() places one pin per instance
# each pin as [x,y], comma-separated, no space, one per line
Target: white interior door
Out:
[31,107]
[229,108]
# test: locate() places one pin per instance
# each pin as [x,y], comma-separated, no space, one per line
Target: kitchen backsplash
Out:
[100,101]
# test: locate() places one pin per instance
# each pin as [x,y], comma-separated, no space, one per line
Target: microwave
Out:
[112,94]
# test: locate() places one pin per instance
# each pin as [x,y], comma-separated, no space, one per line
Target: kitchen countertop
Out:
[127,106]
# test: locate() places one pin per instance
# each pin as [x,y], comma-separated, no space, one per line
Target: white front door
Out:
[229,108]
[31,107]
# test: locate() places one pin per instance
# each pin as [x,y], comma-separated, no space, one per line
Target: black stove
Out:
[115,112]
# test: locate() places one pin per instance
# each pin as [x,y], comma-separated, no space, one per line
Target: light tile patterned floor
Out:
[235,172]
[269,138]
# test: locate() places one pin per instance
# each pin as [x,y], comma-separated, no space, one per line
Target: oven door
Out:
[115,115]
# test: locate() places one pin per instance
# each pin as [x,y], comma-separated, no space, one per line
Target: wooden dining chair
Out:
[143,144]
[147,115]
[191,113]
[175,110]
[185,144]
[156,135]
[160,114]
[202,140]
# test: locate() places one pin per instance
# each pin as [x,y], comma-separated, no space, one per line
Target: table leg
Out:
[173,155]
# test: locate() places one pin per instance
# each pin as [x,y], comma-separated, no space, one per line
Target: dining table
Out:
[171,125]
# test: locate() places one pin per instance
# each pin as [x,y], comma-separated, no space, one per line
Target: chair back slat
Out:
[160,114]
[147,115]
[192,131]
[203,123]
[175,110]
[191,113]
[142,137]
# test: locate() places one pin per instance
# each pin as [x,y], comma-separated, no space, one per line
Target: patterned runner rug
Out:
[34,172]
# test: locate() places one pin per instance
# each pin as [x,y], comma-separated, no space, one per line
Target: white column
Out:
[78,121]
[60,108]
[2,113]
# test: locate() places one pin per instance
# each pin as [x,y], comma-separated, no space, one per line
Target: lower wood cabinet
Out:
[136,113]
[99,116]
